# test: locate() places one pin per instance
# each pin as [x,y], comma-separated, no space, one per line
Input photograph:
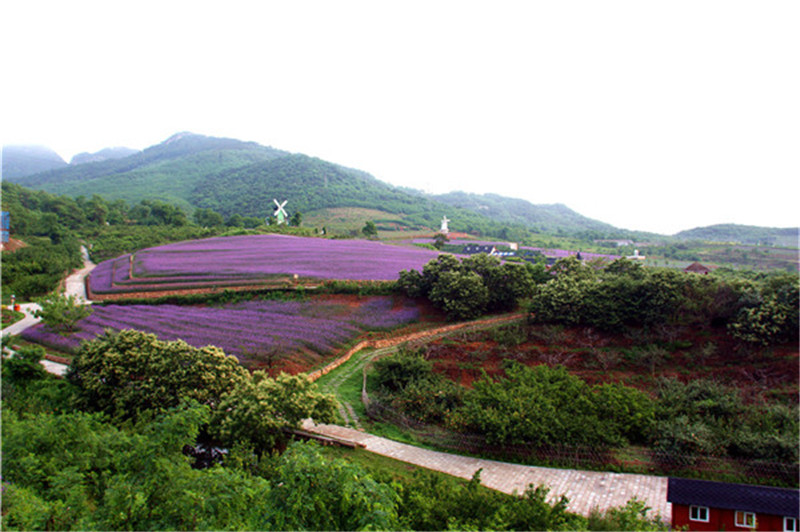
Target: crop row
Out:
[242,329]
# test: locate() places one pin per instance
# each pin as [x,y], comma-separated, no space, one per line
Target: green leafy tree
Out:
[297,219]
[128,372]
[439,240]
[77,471]
[773,315]
[461,295]
[370,230]
[469,288]
[24,366]
[235,220]
[61,312]
[260,409]
[312,493]
[207,218]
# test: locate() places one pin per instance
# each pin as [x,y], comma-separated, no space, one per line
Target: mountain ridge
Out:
[105,154]
[234,176]
[27,159]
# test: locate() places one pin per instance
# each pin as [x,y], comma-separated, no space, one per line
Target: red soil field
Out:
[598,358]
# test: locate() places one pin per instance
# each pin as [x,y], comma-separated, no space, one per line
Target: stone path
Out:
[584,489]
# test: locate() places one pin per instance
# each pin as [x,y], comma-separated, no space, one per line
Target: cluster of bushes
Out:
[547,407]
[624,295]
[39,267]
[408,382]
[703,417]
[542,406]
[468,288]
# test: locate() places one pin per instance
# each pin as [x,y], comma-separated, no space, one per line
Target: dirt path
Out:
[584,489]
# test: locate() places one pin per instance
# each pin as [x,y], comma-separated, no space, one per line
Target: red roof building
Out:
[704,505]
[696,267]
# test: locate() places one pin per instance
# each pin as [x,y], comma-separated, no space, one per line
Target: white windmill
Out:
[279,213]
[444,229]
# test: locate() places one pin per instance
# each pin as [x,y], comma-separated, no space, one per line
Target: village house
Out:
[474,249]
[705,505]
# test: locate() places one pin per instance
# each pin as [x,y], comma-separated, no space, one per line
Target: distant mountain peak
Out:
[178,136]
[23,160]
[103,155]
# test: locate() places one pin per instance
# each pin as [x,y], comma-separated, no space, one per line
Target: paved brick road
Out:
[584,489]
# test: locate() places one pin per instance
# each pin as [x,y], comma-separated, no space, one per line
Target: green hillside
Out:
[540,218]
[167,171]
[744,234]
[312,185]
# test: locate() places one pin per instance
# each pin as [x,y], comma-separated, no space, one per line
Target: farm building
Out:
[474,249]
[707,505]
[696,267]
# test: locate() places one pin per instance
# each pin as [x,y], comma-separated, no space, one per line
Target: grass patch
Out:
[11,317]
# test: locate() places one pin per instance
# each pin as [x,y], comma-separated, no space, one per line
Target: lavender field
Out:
[237,260]
[312,329]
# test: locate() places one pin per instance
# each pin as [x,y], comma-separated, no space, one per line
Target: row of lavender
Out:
[242,259]
[242,329]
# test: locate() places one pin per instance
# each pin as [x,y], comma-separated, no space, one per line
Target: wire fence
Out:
[632,460]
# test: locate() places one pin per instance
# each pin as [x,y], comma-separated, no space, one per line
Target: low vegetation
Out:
[68,466]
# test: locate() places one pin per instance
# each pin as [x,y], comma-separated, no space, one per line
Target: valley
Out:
[548,349]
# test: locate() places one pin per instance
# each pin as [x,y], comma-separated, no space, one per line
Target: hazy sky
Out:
[649,115]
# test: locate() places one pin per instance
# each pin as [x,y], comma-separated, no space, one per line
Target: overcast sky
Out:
[657,116]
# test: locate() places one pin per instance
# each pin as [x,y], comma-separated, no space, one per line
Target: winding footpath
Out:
[586,490]
[74,285]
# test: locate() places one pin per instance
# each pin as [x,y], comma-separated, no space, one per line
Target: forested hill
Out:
[744,234]
[541,218]
[310,184]
[20,161]
[234,177]
[167,171]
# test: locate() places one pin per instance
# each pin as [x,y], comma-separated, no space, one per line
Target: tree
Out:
[771,316]
[439,240]
[369,229]
[469,288]
[24,366]
[128,372]
[61,312]
[258,410]
[207,218]
[235,220]
[462,296]
[296,219]
[312,493]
